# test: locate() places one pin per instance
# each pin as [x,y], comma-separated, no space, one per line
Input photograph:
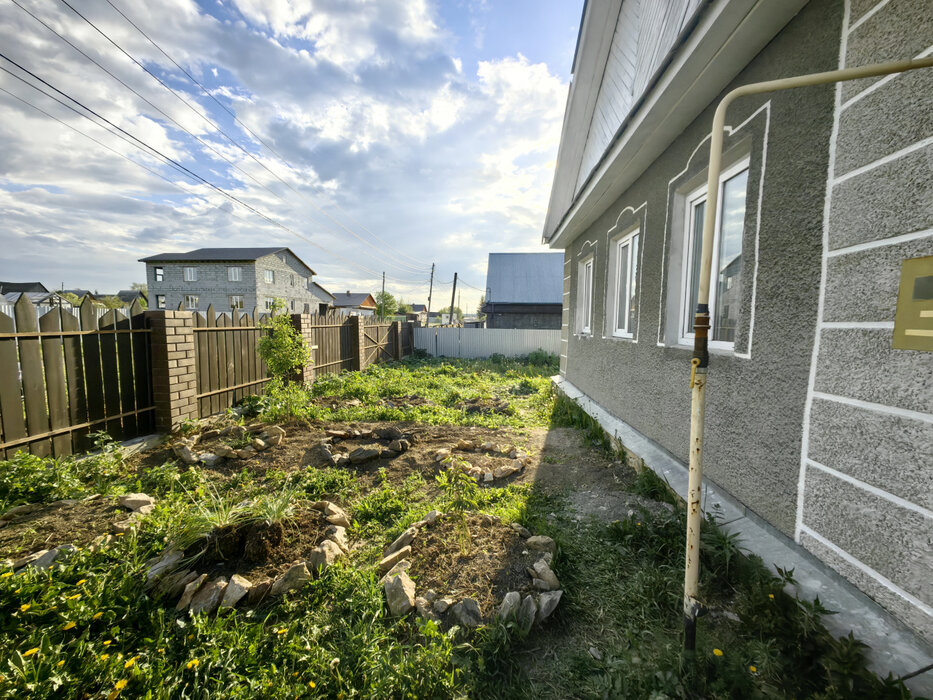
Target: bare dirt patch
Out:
[45,526]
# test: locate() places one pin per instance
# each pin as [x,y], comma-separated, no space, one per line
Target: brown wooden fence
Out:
[227,364]
[64,376]
[332,342]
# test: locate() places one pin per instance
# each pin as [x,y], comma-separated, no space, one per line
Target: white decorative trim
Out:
[876,407]
[867,325]
[869,245]
[882,82]
[891,157]
[864,18]
[881,493]
[827,208]
[880,578]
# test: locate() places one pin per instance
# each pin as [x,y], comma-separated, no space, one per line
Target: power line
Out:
[209,94]
[232,140]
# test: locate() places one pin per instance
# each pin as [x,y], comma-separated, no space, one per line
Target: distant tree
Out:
[140,287]
[72,298]
[479,308]
[458,313]
[111,302]
[403,307]
[386,305]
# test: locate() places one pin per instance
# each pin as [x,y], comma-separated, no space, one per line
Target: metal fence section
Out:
[472,343]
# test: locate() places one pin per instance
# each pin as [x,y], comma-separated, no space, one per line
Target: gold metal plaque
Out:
[913,323]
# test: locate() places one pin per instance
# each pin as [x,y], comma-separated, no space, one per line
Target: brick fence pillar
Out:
[302,324]
[174,371]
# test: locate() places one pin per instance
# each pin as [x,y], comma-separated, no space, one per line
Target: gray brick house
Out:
[227,278]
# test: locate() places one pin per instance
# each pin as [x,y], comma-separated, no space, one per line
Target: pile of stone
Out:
[261,438]
[402,596]
[516,465]
[328,452]
[139,505]
[198,593]
[41,560]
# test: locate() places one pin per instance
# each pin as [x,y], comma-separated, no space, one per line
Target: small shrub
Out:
[281,347]
[461,494]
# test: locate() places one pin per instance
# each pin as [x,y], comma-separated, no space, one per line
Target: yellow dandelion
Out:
[121,684]
[192,664]
[190,636]
[131,662]
[18,590]
[311,684]
[117,689]
[717,652]
[281,631]
[81,582]
[108,642]
[104,657]
[97,616]
[70,626]
[61,663]
[771,596]
[24,607]
[119,534]
[6,575]
[74,597]
[295,674]
[753,669]
[30,652]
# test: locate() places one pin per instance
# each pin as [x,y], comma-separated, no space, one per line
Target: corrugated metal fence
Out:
[483,342]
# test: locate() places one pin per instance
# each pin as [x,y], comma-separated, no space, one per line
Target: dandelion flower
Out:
[131,662]
[108,642]
[771,596]
[74,597]
[717,652]
[61,663]
[70,625]
[119,534]
[104,657]
[190,636]
[117,689]
[97,615]
[295,674]
[753,669]
[6,575]
[32,651]
[281,631]
[81,582]
[24,607]
[192,664]
[311,684]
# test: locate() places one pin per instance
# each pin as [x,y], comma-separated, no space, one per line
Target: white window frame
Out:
[694,199]
[269,276]
[585,277]
[158,273]
[188,299]
[269,302]
[191,274]
[160,301]
[234,273]
[631,260]
[236,301]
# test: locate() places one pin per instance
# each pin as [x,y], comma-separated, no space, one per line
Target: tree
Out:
[111,302]
[479,307]
[386,305]
[403,307]
[72,298]
[458,313]
[140,287]
[281,346]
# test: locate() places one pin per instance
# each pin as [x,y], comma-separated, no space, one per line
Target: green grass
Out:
[622,584]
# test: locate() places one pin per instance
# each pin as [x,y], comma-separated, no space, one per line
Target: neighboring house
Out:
[524,290]
[817,418]
[31,287]
[327,299]
[232,278]
[80,293]
[355,303]
[418,314]
[45,299]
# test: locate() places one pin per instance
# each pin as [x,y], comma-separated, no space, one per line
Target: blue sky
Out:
[375,135]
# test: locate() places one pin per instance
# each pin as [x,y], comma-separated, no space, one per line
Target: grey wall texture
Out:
[850,422]
[213,287]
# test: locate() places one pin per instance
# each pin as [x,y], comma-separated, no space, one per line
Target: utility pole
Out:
[460,300]
[453,295]
[427,320]
[383,314]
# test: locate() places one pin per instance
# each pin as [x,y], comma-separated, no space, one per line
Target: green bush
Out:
[281,346]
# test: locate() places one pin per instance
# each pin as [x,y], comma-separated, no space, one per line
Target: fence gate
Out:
[378,343]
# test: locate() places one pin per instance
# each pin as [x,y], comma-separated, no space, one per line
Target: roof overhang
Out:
[728,35]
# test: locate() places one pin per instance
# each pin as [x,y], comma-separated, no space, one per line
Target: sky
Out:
[367,136]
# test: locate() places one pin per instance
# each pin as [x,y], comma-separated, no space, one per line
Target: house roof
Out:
[354,300]
[37,298]
[324,294]
[418,308]
[80,293]
[6,287]
[525,278]
[221,254]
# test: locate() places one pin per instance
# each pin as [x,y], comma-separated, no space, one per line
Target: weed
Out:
[461,494]
[275,507]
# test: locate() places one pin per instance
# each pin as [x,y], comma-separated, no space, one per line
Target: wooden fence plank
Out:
[74,374]
[212,368]
[203,362]
[33,381]
[54,365]
[11,392]
[126,378]
[111,374]
[90,348]
[142,369]
[224,400]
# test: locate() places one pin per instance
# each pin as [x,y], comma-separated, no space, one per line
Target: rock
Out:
[64,502]
[464,445]
[258,592]
[340,519]
[184,453]
[490,447]
[540,543]
[338,535]
[432,516]
[125,526]
[424,609]
[173,584]
[210,434]
[526,613]
[225,451]
[45,561]
[24,509]
[342,461]
[28,559]
[544,574]
[258,444]
[210,459]
[392,559]
[596,653]
[502,472]
[189,591]
[468,613]
[274,440]
[442,605]
[336,434]
[255,428]
[100,543]
[403,565]
[402,540]
[293,579]
[208,597]
[547,602]
[390,433]
[236,589]
[323,556]
[363,454]
[332,509]
[430,595]
[400,594]
[520,530]
[245,454]
[510,605]
[275,431]
[165,563]
[321,506]
[487,476]
[145,510]
[400,445]
[316,456]
[441,455]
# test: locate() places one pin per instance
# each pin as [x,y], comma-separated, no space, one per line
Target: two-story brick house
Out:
[233,278]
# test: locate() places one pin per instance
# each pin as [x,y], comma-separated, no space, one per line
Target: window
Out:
[585,297]
[159,273]
[293,280]
[725,292]
[270,276]
[236,301]
[191,302]
[269,302]
[234,274]
[160,301]
[622,288]
[191,274]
